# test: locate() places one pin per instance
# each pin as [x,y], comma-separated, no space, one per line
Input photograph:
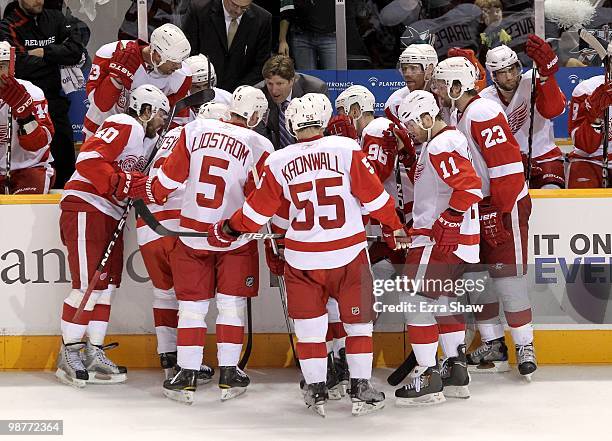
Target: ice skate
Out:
[455,375]
[489,357]
[232,382]
[334,388]
[526,359]
[316,397]
[167,360]
[342,371]
[205,374]
[101,369]
[365,398]
[424,389]
[70,367]
[182,386]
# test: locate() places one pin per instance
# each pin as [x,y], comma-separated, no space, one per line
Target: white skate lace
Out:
[525,353]
[416,384]
[483,348]
[445,369]
[102,358]
[74,360]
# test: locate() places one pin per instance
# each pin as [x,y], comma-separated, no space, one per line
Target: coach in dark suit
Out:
[236,35]
[280,85]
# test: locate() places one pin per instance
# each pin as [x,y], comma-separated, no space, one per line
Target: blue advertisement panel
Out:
[383,83]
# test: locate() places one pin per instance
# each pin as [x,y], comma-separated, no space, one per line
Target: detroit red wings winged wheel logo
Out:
[517,117]
[133,163]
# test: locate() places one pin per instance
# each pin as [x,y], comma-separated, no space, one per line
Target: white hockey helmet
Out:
[170,44]
[7,53]
[456,69]
[246,101]
[340,102]
[417,103]
[361,96]
[325,103]
[151,95]
[423,54]
[499,58]
[212,110]
[198,64]
[307,111]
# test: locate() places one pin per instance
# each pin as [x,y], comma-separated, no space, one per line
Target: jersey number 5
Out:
[493,135]
[217,181]
[323,199]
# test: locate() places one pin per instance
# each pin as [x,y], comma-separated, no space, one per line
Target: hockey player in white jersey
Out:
[512,90]
[213,160]
[30,130]
[504,214]
[445,236]
[416,64]
[94,200]
[156,249]
[314,190]
[120,67]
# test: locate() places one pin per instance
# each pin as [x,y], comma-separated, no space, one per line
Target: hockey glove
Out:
[342,125]
[598,101]
[121,184]
[143,188]
[445,231]
[17,97]
[221,235]
[124,64]
[275,262]
[542,55]
[395,240]
[407,152]
[536,169]
[492,226]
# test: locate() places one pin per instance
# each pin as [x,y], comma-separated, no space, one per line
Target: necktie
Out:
[231,32]
[285,136]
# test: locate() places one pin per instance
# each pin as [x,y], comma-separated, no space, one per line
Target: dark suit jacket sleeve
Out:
[190,27]
[264,48]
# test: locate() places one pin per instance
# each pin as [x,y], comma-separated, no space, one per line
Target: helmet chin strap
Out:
[428,130]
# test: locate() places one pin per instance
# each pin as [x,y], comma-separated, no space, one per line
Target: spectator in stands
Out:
[313,33]
[45,41]
[281,84]
[235,34]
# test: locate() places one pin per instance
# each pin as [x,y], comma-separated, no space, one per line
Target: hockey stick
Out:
[9,142]
[400,190]
[402,371]
[188,101]
[602,52]
[282,288]
[247,350]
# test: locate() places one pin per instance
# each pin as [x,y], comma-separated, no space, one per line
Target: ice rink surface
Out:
[562,403]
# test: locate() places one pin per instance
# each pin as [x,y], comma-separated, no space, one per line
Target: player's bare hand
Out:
[38,52]
[283,48]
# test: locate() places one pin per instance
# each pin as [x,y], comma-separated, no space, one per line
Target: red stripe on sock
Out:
[330,334]
[489,311]
[518,319]
[422,335]
[165,317]
[230,334]
[68,315]
[101,313]
[448,328]
[359,345]
[190,336]
[338,330]
[311,350]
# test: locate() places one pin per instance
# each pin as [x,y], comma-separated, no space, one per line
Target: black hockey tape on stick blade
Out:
[402,371]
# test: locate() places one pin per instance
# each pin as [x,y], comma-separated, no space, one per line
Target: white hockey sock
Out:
[450,341]
[490,331]
[523,335]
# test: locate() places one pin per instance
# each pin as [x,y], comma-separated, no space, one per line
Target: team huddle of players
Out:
[442,179]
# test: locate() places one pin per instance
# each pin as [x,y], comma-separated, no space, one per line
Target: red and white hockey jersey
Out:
[393,102]
[495,152]
[169,213]
[213,160]
[550,103]
[383,163]
[117,145]
[317,188]
[33,149]
[445,177]
[587,139]
[106,99]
